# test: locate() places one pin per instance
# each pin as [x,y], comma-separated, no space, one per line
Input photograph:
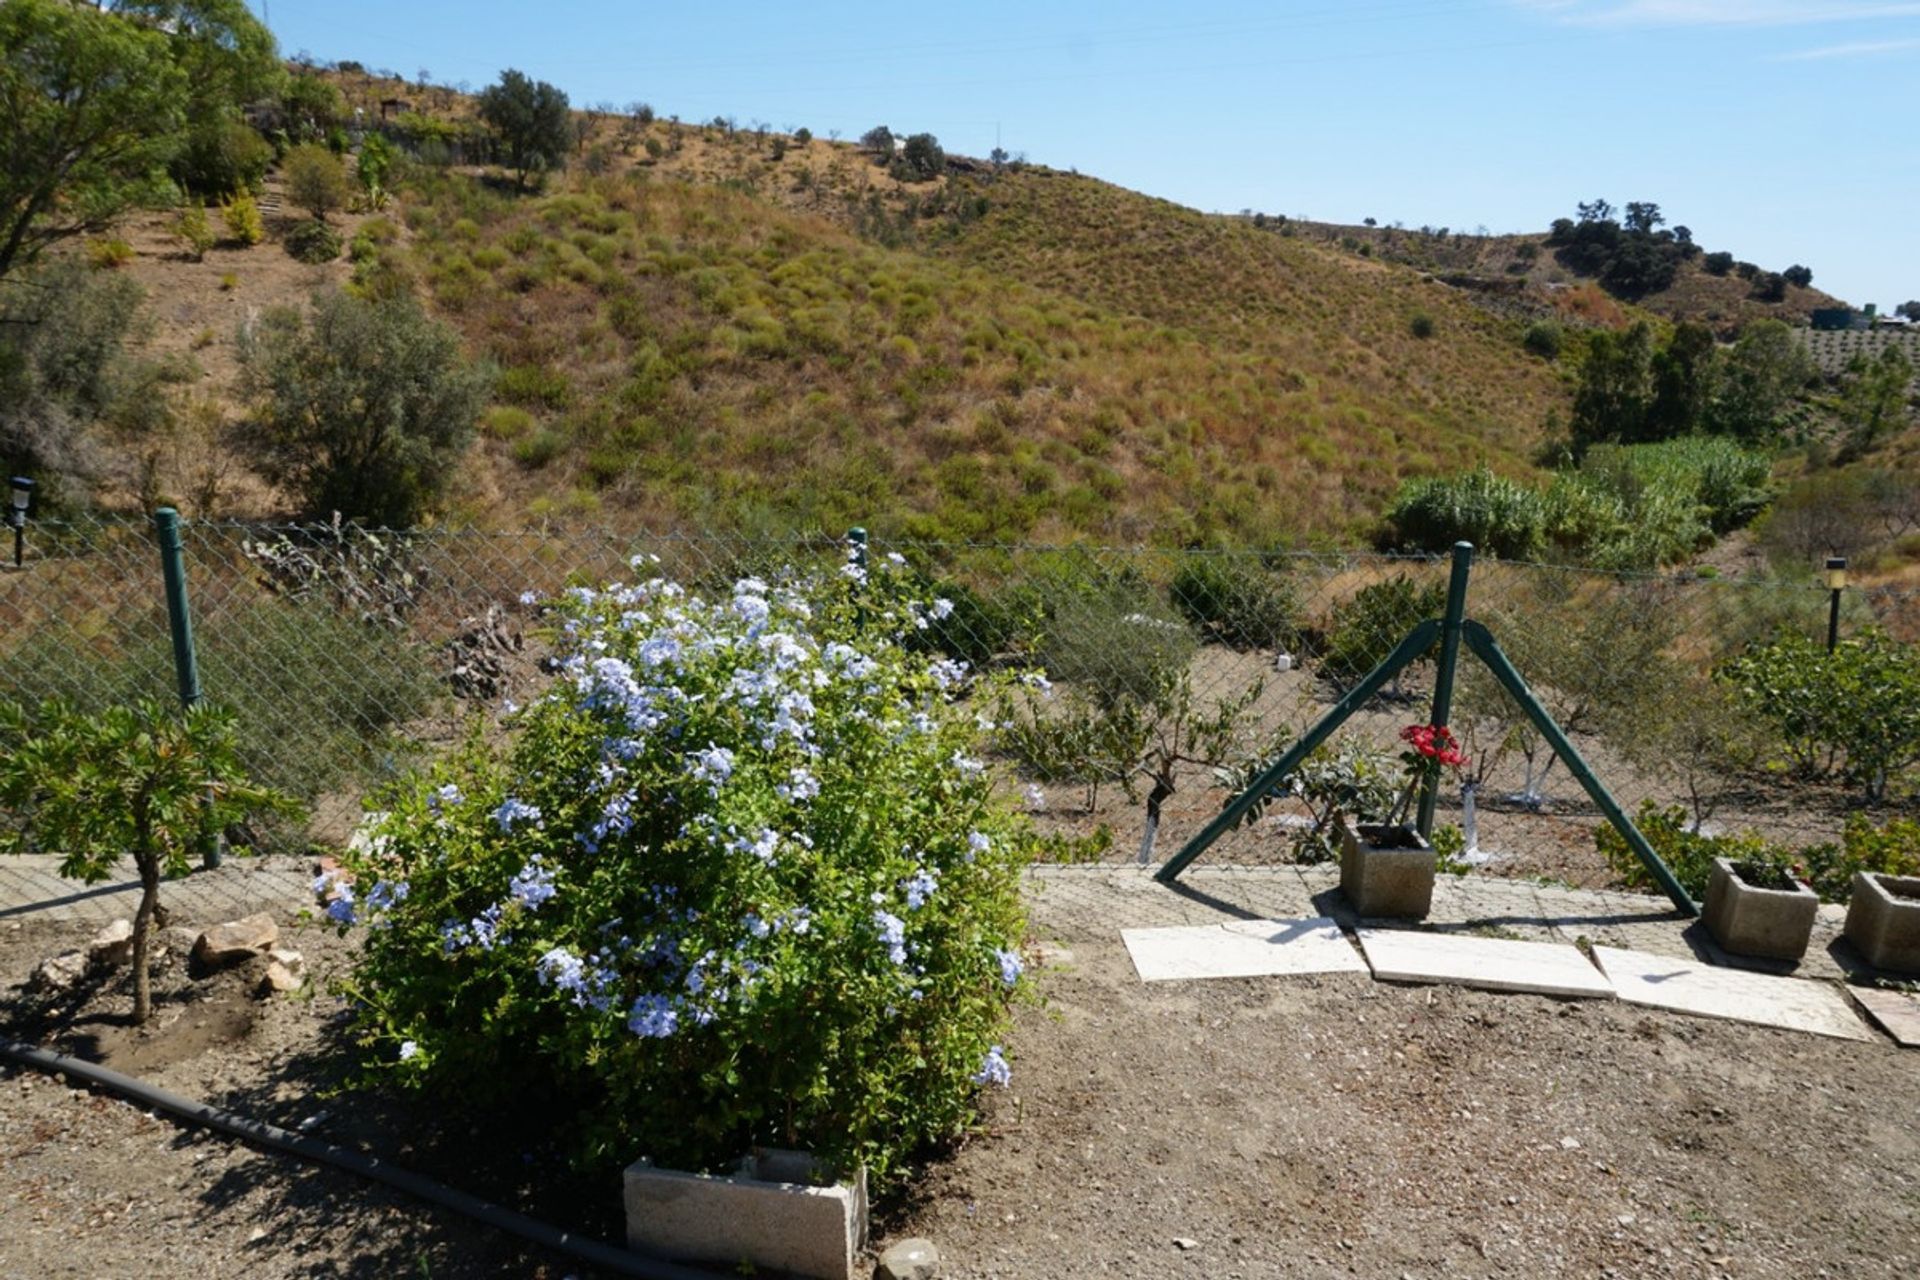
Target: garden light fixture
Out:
[1836,583]
[17,504]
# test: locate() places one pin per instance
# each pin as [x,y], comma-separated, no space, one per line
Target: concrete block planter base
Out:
[1386,870]
[1747,920]
[776,1213]
[1883,921]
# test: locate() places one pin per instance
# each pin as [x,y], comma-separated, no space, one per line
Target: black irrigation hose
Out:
[276,1139]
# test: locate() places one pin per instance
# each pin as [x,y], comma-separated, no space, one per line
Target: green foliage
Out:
[316,180]
[1687,853]
[1544,338]
[1827,869]
[194,230]
[371,168]
[1421,325]
[1718,264]
[1107,633]
[222,155]
[532,120]
[1874,399]
[1368,627]
[313,242]
[1757,380]
[878,140]
[921,159]
[64,369]
[312,107]
[1856,710]
[362,407]
[109,253]
[1237,601]
[1616,387]
[756,913]
[241,214]
[1498,516]
[142,780]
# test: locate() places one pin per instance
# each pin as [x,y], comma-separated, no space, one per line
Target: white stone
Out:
[1690,986]
[112,946]
[1241,949]
[1897,1012]
[61,972]
[236,940]
[279,978]
[769,1214]
[1494,964]
[914,1258]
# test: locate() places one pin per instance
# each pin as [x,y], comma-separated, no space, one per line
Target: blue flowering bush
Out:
[736,880]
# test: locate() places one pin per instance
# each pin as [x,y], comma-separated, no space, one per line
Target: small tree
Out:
[316,180]
[362,409]
[878,140]
[532,119]
[1798,276]
[371,167]
[921,158]
[136,780]
[194,231]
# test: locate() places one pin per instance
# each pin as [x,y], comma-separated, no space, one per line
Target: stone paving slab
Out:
[1492,964]
[32,889]
[1241,949]
[1897,1012]
[1692,986]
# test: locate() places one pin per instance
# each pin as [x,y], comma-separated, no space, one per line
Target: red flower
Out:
[1436,742]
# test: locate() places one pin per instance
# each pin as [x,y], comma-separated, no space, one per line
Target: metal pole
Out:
[1833,619]
[1481,641]
[186,669]
[1443,679]
[1418,641]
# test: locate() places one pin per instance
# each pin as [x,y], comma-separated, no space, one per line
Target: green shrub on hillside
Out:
[1498,516]
[1367,628]
[313,242]
[1237,601]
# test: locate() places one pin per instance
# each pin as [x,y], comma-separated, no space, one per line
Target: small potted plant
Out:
[1387,868]
[1759,909]
[1883,920]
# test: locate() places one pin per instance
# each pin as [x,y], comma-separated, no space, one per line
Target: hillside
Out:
[672,351]
[1529,272]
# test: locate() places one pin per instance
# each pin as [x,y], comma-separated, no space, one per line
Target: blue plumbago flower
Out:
[408,1049]
[1036,798]
[749,587]
[947,672]
[977,843]
[920,722]
[455,934]
[533,884]
[445,798]
[849,661]
[714,766]
[514,810]
[561,968]
[528,598]
[340,909]
[660,650]
[1011,966]
[1036,680]
[752,610]
[797,921]
[893,934]
[942,609]
[653,1017]
[755,926]
[919,887]
[385,893]
[994,1069]
[966,766]
[800,786]
[484,929]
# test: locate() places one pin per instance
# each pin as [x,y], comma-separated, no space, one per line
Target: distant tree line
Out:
[1637,253]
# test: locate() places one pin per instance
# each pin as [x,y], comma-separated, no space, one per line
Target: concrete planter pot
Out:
[1386,870]
[778,1211]
[1747,920]
[1883,921]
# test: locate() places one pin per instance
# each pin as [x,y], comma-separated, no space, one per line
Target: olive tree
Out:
[361,407]
[533,121]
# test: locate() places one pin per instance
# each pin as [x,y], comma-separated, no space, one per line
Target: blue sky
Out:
[1783,130]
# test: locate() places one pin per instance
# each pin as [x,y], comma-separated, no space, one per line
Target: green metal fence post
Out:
[186,669]
[1443,678]
[1418,641]
[1481,641]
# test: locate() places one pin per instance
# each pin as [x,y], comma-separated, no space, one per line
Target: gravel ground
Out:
[1251,1128]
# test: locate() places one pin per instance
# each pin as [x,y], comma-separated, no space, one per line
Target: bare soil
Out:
[1273,1127]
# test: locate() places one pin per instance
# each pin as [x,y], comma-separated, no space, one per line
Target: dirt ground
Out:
[1252,1128]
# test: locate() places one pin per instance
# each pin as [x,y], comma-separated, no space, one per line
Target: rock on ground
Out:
[236,940]
[112,946]
[914,1258]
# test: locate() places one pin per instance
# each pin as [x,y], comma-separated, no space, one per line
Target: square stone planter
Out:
[1747,920]
[1883,921]
[777,1212]
[1386,870]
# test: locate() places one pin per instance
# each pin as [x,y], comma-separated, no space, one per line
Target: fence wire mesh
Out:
[348,655]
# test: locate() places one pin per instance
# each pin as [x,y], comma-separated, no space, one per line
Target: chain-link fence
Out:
[348,655]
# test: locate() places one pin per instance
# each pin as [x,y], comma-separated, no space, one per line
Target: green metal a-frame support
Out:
[1450,630]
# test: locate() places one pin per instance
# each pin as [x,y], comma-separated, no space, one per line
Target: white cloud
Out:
[1858,49]
[1721,13]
